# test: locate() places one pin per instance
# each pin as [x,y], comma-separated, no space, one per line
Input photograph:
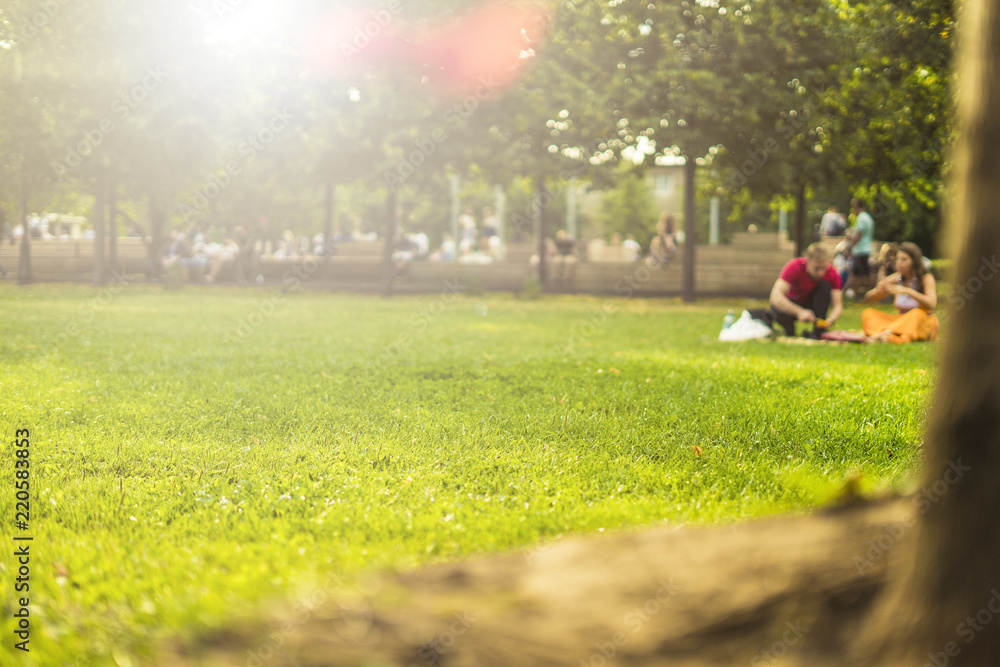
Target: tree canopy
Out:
[221,111]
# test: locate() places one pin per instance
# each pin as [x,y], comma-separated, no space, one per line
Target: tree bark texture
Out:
[800,220]
[24,273]
[328,211]
[100,203]
[157,224]
[112,264]
[943,607]
[690,231]
[541,199]
[388,267]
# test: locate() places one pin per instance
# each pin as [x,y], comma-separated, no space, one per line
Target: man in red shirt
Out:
[805,291]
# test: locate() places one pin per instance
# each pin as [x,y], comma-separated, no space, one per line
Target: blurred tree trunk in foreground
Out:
[943,605]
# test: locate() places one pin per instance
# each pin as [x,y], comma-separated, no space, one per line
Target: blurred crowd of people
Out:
[206,253]
[54,228]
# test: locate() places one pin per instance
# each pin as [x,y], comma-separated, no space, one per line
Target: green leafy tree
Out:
[629,208]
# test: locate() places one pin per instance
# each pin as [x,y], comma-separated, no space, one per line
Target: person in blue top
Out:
[859,247]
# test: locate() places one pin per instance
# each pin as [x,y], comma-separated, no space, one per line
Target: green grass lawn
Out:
[197,452]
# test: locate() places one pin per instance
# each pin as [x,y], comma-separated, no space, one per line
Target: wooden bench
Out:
[520,252]
[438,276]
[732,270]
[727,254]
[74,260]
[645,279]
[359,249]
[599,251]
[363,273]
[763,241]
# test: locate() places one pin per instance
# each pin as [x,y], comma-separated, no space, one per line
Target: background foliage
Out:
[846,99]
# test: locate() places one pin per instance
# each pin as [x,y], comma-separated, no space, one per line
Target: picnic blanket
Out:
[845,336]
[837,337]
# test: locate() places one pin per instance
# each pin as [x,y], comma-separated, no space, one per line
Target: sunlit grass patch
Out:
[182,473]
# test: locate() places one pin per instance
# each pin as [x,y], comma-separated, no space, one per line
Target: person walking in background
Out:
[468,232]
[491,228]
[914,293]
[859,247]
[833,223]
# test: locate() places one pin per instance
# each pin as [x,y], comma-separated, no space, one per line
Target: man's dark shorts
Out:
[860,266]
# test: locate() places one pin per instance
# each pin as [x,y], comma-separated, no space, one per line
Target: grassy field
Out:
[195,453]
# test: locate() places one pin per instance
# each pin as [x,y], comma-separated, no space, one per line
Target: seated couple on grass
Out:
[808,290]
[914,293]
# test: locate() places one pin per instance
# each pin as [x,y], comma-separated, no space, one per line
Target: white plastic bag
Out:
[745,328]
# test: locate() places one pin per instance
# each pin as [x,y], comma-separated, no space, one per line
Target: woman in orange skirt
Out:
[914,292]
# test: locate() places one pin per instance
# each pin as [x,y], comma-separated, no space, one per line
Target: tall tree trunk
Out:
[541,199]
[800,220]
[157,218]
[331,192]
[690,231]
[99,210]
[112,226]
[388,267]
[25,276]
[944,607]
